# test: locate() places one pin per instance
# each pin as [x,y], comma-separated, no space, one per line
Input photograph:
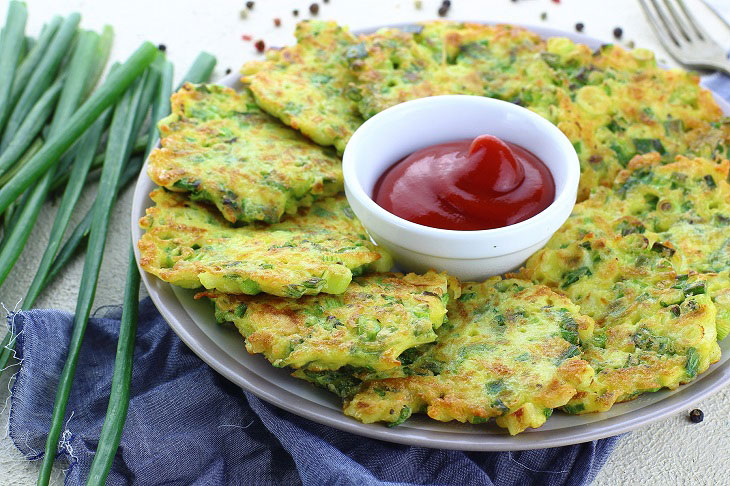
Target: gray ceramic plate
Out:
[223,349]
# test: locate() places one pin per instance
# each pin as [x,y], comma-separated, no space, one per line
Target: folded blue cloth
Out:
[187,425]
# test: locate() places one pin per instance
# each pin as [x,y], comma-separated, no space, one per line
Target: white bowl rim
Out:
[565,197]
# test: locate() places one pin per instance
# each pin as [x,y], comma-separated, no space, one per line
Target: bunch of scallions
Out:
[60,126]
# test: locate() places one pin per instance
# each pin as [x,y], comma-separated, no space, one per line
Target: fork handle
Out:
[715,65]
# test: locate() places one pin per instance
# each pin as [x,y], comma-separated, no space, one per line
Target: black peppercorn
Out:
[228,70]
[314,9]
[249,5]
[446,3]
[162,47]
[295,12]
[696,416]
[579,26]
[618,32]
[443,10]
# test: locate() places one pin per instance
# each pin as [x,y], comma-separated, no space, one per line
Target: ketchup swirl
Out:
[467,185]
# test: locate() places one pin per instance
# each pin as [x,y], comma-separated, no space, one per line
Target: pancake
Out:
[683,208]
[221,148]
[612,104]
[654,328]
[308,85]
[438,58]
[368,326]
[189,244]
[509,351]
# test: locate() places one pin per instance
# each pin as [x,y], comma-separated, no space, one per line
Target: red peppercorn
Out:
[246,37]
[314,9]
[277,22]
[260,46]
[556,1]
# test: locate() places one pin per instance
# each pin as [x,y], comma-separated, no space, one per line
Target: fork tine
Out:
[669,43]
[681,23]
[691,18]
[669,27]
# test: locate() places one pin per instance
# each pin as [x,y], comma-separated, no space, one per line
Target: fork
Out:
[682,36]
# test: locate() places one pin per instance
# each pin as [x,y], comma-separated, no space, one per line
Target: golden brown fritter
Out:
[189,244]
[218,146]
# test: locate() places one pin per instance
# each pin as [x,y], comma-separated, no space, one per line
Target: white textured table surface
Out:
[672,451]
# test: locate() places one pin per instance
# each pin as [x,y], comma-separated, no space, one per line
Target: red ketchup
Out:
[467,185]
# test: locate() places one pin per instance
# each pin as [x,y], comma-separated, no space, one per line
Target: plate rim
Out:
[207,350]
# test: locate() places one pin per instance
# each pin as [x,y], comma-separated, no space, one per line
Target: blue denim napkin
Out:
[187,425]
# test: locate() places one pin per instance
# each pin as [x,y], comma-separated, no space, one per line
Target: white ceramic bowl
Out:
[469,255]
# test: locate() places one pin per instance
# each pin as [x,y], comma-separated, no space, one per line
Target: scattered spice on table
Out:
[631,44]
[295,12]
[543,16]
[696,416]
[314,9]
[556,1]
[618,32]
[249,5]
[246,37]
[277,22]
[228,70]
[579,26]
[161,47]
[260,45]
